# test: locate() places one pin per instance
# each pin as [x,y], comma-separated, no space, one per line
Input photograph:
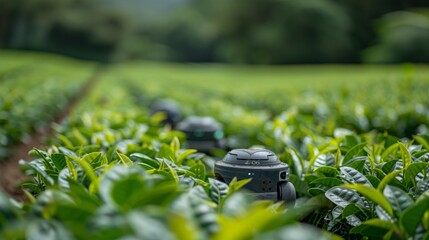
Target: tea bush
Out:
[34,89]
[358,154]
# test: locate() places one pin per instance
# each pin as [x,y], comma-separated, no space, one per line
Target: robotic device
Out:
[171,109]
[269,175]
[202,133]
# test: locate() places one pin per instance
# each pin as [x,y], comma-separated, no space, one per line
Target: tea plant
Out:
[358,157]
[33,91]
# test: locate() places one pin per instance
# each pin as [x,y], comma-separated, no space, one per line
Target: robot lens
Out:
[283,175]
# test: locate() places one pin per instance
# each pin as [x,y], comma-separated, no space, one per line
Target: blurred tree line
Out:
[239,31]
[78,28]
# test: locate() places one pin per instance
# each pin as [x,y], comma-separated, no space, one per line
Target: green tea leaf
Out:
[389,166]
[389,177]
[373,195]
[82,197]
[218,190]
[235,185]
[166,152]
[69,153]
[316,191]
[199,170]
[343,196]
[72,169]
[88,169]
[59,160]
[301,187]
[412,216]
[183,156]
[47,180]
[351,140]
[327,171]
[72,213]
[322,155]
[398,199]
[383,215]
[124,159]
[354,151]
[145,166]
[412,170]
[297,162]
[390,150]
[354,176]
[406,156]
[182,231]
[116,174]
[81,140]
[373,180]
[34,188]
[175,146]
[327,181]
[204,215]
[29,196]
[124,190]
[92,158]
[238,228]
[422,141]
[173,173]
[324,160]
[67,143]
[374,228]
[358,163]
[350,210]
[139,157]
[45,159]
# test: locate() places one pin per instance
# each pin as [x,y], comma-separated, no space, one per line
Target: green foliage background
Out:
[357,145]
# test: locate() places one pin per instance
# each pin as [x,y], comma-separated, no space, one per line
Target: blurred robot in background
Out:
[203,133]
[171,109]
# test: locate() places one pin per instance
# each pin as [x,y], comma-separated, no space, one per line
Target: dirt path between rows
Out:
[10,170]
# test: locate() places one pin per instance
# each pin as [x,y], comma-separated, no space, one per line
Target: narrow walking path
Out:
[10,170]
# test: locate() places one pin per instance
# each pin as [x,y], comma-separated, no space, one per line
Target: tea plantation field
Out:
[355,138]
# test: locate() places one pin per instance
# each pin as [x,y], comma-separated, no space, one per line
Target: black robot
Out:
[269,175]
[202,133]
[170,108]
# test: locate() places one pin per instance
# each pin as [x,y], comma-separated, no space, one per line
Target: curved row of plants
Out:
[33,91]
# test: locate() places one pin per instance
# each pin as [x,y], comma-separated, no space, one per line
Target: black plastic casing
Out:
[269,175]
[202,133]
[170,108]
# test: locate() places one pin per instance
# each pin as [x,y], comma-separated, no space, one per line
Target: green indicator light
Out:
[218,134]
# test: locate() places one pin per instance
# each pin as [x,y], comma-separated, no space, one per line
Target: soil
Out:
[10,171]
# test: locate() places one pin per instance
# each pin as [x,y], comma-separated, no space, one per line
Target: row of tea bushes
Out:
[33,90]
